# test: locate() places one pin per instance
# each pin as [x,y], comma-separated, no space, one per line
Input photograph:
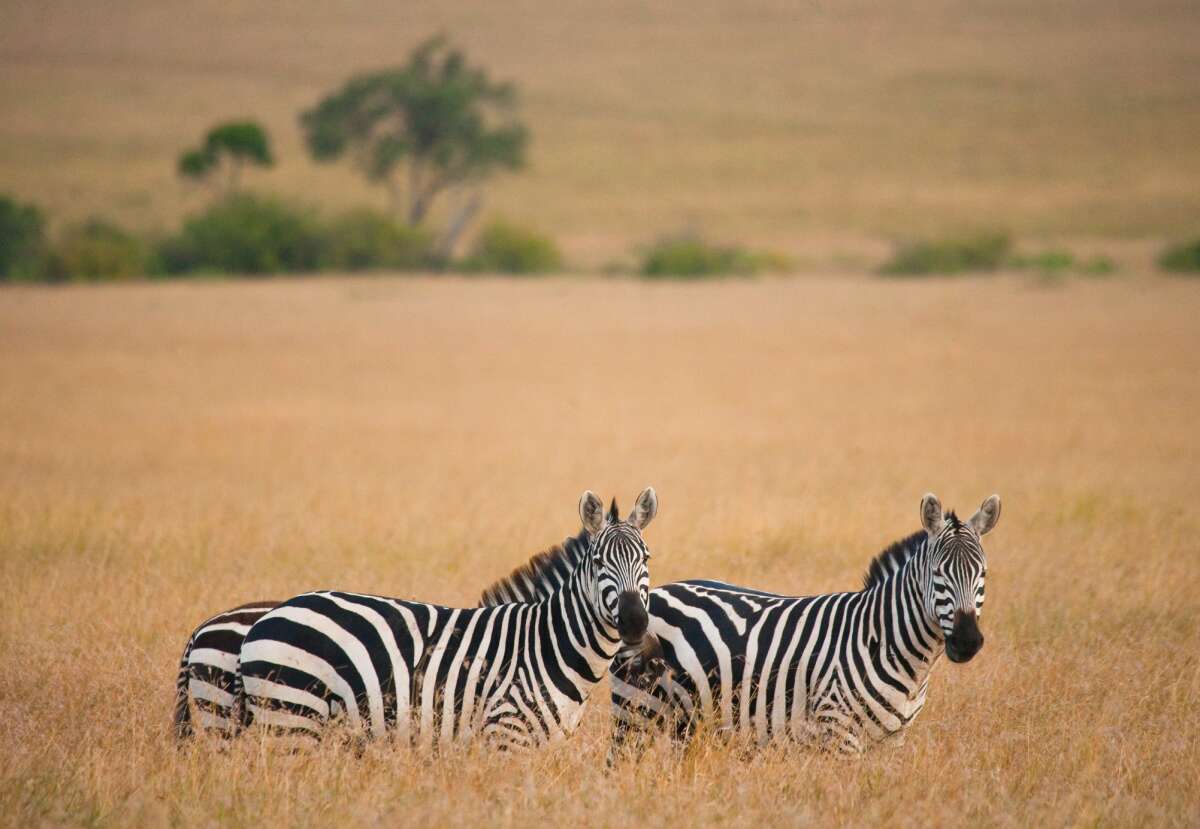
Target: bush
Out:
[1183,257]
[22,240]
[244,233]
[1098,266]
[1048,261]
[689,256]
[507,248]
[366,239]
[96,250]
[981,252]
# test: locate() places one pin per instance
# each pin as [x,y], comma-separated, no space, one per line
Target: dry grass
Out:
[171,450]
[763,122]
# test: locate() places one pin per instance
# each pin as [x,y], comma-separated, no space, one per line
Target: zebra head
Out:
[618,556]
[957,567]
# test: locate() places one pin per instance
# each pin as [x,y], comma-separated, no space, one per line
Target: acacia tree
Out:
[433,125]
[227,148]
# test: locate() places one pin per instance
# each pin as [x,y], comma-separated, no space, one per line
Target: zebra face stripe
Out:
[622,579]
[959,569]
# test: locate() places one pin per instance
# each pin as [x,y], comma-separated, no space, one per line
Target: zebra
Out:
[841,671]
[515,674]
[208,666]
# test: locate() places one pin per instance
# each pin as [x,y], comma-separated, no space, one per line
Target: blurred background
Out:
[820,132]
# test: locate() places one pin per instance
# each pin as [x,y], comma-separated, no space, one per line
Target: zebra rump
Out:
[208,671]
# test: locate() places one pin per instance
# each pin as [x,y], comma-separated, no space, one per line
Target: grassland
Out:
[168,450]
[812,127]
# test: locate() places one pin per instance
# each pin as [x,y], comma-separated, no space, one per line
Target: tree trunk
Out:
[396,195]
[235,170]
[417,205]
[462,219]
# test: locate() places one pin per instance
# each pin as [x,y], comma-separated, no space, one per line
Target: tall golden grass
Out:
[762,121]
[170,450]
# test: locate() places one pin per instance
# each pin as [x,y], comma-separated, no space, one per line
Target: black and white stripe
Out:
[516,673]
[208,667]
[208,670]
[841,671]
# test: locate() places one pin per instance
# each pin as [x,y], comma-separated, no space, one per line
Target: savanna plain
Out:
[170,450]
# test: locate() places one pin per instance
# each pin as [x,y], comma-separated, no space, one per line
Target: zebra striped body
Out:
[841,671]
[208,669]
[516,674]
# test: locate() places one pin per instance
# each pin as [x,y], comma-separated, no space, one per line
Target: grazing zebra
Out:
[208,667]
[841,671]
[517,674]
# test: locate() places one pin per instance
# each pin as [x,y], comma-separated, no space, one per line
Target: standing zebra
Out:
[841,670]
[517,674]
[208,668]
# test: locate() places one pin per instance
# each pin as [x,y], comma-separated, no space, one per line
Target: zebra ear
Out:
[644,509]
[985,520]
[591,512]
[932,517]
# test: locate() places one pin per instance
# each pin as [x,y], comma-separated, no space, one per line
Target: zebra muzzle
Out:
[632,618]
[966,638]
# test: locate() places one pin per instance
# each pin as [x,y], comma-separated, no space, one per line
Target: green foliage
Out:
[690,256]
[1053,260]
[22,240]
[194,164]
[979,252]
[1183,257]
[365,239]
[245,234]
[96,250]
[244,140]
[230,146]
[1098,266]
[503,247]
[442,117]
[1057,262]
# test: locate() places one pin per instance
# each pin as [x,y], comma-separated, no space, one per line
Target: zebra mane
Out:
[892,559]
[540,576]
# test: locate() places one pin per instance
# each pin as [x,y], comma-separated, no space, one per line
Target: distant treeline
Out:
[249,234]
[431,130]
[243,233]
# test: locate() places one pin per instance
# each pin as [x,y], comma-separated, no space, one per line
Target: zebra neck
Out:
[587,644]
[909,644]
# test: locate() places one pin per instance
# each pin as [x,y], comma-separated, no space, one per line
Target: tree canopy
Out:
[231,146]
[441,120]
